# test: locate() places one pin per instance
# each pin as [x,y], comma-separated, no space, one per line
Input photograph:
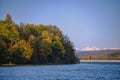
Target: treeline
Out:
[112,56]
[34,44]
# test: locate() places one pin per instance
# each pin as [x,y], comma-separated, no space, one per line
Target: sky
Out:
[90,24]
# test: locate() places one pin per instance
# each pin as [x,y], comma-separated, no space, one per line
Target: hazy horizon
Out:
[90,24]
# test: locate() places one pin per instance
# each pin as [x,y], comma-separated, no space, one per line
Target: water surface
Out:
[82,71]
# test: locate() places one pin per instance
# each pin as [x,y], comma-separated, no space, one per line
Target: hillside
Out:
[98,54]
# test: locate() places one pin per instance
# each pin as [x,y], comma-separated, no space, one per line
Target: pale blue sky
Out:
[87,22]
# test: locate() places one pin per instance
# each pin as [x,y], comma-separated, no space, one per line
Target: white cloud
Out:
[111,48]
[77,49]
[95,48]
[90,49]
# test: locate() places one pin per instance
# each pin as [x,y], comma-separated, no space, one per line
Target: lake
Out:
[81,71]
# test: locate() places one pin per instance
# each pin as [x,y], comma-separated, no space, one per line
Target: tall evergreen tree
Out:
[8,19]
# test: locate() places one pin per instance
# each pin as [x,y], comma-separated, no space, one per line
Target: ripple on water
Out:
[82,71]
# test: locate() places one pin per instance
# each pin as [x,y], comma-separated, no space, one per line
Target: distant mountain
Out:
[97,53]
[78,51]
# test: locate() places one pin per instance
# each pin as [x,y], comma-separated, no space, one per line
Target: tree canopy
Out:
[34,44]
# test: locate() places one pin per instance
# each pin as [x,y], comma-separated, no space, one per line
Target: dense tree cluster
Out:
[34,44]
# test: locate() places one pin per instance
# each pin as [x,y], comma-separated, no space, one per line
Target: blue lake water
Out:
[81,71]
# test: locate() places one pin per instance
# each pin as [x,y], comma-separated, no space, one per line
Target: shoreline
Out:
[59,64]
[99,60]
[12,65]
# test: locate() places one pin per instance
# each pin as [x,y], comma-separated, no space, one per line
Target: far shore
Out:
[99,60]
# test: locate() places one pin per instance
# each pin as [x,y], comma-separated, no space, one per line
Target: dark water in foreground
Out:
[82,71]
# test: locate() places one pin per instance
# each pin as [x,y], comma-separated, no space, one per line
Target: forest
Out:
[34,44]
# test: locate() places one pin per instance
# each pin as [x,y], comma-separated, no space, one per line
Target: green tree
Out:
[8,19]
[9,33]
[21,52]
[69,50]
[4,56]
[46,45]
[89,57]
